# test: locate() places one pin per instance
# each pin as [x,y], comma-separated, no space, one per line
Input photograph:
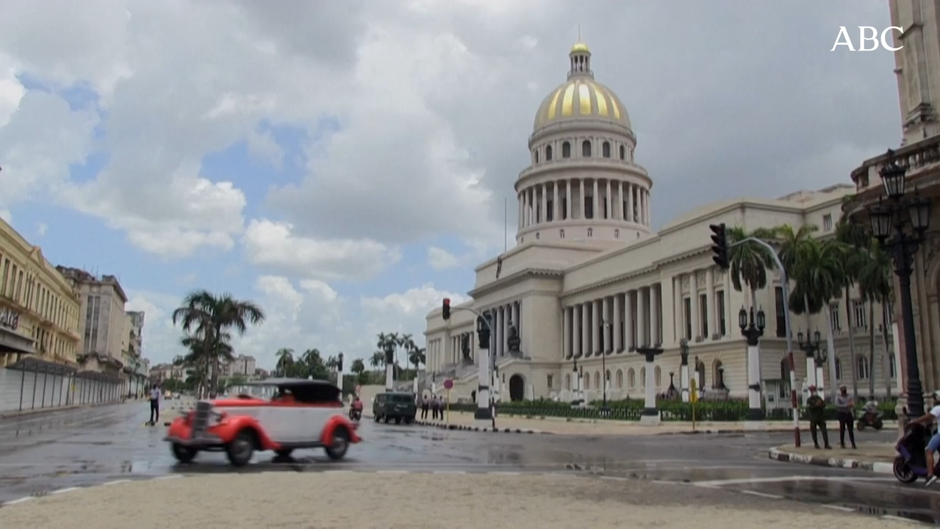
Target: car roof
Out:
[396,393]
[290,382]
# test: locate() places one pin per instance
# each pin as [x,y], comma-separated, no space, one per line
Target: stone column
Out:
[618,345]
[628,320]
[619,208]
[607,202]
[605,318]
[544,213]
[585,329]
[650,415]
[677,313]
[515,317]
[521,211]
[642,334]
[630,203]
[498,331]
[568,201]
[581,200]
[596,199]
[576,331]
[555,205]
[595,330]
[504,335]
[713,322]
[566,315]
[693,301]
[654,316]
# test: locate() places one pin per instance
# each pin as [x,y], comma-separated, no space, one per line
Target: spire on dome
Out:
[580,57]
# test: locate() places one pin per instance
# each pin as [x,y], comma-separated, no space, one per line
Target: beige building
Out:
[918,75]
[589,280]
[241,365]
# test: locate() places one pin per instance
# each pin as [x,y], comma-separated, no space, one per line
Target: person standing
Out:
[424,407]
[845,411]
[155,396]
[816,412]
[435,408]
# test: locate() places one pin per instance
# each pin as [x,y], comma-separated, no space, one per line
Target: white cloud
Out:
[275,245]
[263,145]
[404,312]
[441,259]
[42,228]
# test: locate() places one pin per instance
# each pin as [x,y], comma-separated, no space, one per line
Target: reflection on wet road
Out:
[91,446]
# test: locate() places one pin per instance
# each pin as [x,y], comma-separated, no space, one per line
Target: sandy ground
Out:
[352,500]
[559,425]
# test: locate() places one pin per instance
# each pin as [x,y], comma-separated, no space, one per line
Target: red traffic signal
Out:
[720,248]
[446,308]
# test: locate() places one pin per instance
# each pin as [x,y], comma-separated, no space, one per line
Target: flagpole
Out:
[505,224]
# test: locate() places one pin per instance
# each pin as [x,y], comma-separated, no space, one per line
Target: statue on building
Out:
[513,341]
[465,348]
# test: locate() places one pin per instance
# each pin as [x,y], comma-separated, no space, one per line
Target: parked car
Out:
[301,414]
[394,405]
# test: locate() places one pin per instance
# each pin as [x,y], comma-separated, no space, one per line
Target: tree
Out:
[876,285]
[209,316]
[358,366]
[285,361]
[312,365]
[378,360]
[416,357]
[857,245]
[749,261]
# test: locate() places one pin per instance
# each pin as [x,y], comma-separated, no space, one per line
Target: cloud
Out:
[41,228]
[441,259]
[274,245]
[404,312]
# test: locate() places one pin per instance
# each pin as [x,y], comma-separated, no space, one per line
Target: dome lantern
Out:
[580,57]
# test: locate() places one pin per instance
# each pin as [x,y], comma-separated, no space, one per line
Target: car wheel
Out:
[240,449]
[397,420]
[409,420]
[183,454]
[377,418]
[284,453]
[386,419]
[339,444]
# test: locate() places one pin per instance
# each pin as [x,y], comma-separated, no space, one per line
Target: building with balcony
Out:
[917,67]
[589,281]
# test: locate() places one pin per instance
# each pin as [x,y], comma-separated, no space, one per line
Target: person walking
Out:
[424,407]
[816,412]
[155,396]
[435,408]
[845,411]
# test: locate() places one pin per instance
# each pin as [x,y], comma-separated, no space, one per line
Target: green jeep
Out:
[398,406]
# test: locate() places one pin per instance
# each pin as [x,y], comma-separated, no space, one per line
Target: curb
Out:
[462,428]
[833,462]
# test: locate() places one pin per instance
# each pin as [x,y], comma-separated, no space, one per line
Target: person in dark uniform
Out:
[816,412]
[424,407]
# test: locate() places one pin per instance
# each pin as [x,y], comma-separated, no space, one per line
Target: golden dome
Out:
[580,47]
[581,97]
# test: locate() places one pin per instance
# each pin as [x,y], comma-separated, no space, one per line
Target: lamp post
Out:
[578,399]
[752,328]
[894,215]
[815,355]
[650,415]
[684,369]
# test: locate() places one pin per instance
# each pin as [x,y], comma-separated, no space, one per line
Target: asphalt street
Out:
[83,447]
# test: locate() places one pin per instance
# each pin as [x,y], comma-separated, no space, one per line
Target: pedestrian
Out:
[816,412]
[435,408]
[155,396]
[442,405]
[845,411]
[424,407]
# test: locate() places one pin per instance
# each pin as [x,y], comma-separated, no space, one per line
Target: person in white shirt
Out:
[155,396]
[934,444]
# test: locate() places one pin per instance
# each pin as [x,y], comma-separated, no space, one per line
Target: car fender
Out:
[231,426]
[338,421]
[178,428]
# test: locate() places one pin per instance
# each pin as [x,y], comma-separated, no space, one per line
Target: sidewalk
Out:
[874,457]
[43,411]
[460,501]
[565,426]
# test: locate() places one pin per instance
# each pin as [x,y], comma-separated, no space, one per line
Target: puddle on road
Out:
[917,516]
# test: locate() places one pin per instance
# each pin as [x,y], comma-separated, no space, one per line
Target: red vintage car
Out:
[301,414]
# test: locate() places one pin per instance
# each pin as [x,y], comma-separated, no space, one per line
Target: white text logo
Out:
[867,34]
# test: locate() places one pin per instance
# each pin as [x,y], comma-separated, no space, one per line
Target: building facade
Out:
[917,68]
[240,365]
[102,317]
[589,282]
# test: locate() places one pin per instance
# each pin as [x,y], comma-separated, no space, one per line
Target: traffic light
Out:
[483,333]
[720,249]
[446,308]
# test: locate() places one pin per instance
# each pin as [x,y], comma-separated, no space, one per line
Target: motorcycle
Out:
[355,414]
[872,419]
[911,462]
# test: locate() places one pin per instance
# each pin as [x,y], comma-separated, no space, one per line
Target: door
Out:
[516,388]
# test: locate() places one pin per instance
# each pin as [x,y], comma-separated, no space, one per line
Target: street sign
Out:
[448,384]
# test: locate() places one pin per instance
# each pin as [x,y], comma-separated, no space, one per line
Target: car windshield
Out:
[310,394]
[400,398]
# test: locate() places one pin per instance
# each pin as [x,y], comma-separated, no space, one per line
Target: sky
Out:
[346,164]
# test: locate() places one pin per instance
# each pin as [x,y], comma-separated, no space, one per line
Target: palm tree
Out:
[377,360]
[416,357]
[358,366]
[285,361]
[857,244]
[312,362]
[749,262]
[876,285]
[209,316]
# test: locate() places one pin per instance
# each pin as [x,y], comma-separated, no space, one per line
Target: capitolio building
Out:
[589,280]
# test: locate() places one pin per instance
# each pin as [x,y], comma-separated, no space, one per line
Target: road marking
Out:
[63,491]
[173,476]
[116,482]
[898,519]
[762,494]
[782,479]
[21,500]
[840,508]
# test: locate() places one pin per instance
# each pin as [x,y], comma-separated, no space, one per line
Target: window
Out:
[631,378]
[605,149]
[566,150]
[589,207]
[597,380]
[550,380]
[687,313]
[548,153]
[658,375]
[858,309]
[703,313]
[536,235]
[590,232]
[720,307]
[536,156]
[586,149]
[838,368]
[623,152]
[834,315]
[827,222]
[619,379]
[564,208]
[568,381]
[785,379]
[863,372]
[587,381]
[561,234]
[780,307]
[616,234]
[892,367]
[642,377]
[549,210]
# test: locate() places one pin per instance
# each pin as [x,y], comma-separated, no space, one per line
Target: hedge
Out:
[630,410]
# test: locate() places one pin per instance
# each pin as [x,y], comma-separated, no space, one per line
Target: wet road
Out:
[85,447]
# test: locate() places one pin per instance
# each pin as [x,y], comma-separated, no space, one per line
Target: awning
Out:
[36,365]
[98,377]
[14,342]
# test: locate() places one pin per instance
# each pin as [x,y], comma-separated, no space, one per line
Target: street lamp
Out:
[815,356]
[684,369]
[888,221]
[578,398]
[752,328]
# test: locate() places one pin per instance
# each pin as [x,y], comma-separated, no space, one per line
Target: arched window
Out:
[548,153]
[587,381]
[586,149]
[607,376]
[700,374]
[535,153]
[631,378]
[616,234]
[561,234]
[619,379]
[566,150]
[658,375]
[590,232]
[718,374]
[863,372]
[838,368]
[642,377]
[568,381]
[605,149]
[623,152]
[597,379]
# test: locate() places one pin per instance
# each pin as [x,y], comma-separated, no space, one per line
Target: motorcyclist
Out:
[357,404]
[871,410]
[930,417]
